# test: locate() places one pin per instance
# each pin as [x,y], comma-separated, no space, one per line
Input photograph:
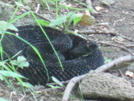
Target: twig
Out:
[97,32]
[12,94]
[89,3]
[118,21]
[115,62]
[103,68]
[54,84]
[22,98]
[37,9]
[116,46]
[125,37]
[70,86]
[129,45]
[121,74]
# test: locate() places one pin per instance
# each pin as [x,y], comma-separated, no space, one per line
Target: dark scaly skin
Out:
[77,54]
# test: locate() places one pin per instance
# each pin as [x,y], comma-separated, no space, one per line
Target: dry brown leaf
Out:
[87,20]
[129,73]
[98,8]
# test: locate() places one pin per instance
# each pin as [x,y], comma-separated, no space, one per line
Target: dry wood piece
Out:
[105,86]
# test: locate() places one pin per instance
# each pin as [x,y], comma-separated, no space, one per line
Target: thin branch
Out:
[70,86]
[115,62]
[89,3]
[129,45]
[116,46]
[38,8]
[97,32]
[125,37]
[117,21]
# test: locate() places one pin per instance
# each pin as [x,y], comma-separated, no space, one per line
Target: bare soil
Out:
[117,18]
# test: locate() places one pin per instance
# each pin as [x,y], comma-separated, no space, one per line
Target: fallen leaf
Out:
[98,8]
[87,20]
[129,73]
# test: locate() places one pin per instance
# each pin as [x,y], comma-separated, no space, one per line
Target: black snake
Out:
[77,55]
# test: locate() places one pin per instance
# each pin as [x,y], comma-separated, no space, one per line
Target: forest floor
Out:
[116,18]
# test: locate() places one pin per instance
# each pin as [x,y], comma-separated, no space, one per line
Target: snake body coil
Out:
[77,55]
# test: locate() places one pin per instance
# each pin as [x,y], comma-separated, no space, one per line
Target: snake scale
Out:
[77,55]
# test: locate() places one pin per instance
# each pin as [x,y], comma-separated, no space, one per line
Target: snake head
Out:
[91,47]
[83,50]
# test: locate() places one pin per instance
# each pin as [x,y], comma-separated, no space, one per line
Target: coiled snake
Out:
[77,55]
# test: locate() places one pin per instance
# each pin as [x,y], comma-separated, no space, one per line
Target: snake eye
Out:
[91,46]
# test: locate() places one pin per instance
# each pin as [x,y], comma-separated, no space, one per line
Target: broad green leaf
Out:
[20,62]
[2,99]
[4,26]
[76,20]
[107,60]
[2,63]
[53,86]
[57,81]
[43,22]
[70,17]
[28,85]
[10,74]
[1,77]
[58,21]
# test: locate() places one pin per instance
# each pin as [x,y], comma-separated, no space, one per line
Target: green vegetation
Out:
[2,99]
[107,60]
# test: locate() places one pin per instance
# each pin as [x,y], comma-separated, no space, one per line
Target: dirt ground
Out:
[116,18]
